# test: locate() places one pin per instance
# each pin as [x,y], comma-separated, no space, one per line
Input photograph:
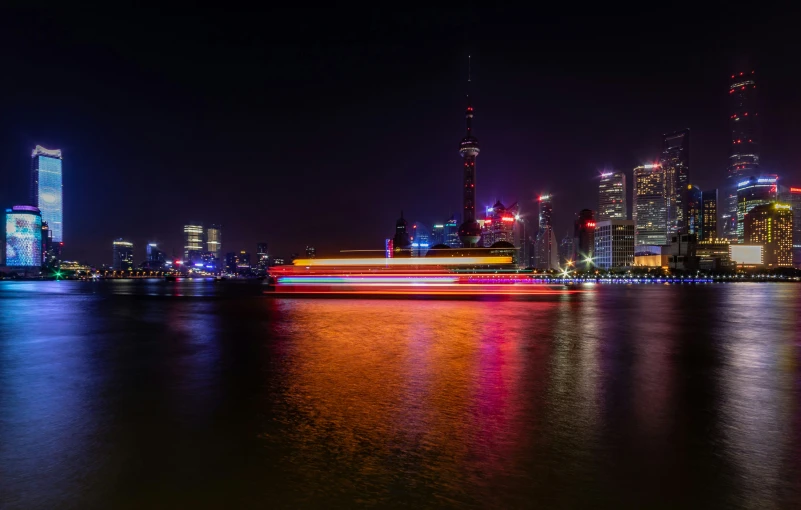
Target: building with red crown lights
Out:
[744,147]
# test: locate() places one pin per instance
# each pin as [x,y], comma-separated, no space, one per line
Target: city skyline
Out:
[532,120]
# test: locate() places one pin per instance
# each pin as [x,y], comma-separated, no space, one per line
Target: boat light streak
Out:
[414,261]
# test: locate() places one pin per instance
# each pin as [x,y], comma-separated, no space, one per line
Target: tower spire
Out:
[469,231]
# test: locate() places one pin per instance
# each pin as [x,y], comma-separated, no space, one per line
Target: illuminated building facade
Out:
[123,255]
[311,252]
[499,224]
[50,252]
[214,241]
[693,203]
[709,215]
[675,162]
[584,238]
[437,235]
[193,242]
[46,188]
[612,196]
[794,199]
[771,225]
[744,148]
[23,237]
[752,192]
[649,211]
[614,244]
[469,231]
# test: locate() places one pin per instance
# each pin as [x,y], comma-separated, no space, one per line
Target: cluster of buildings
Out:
[32,235]
[671,223]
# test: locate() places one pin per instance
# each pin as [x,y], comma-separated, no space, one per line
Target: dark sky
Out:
[318,127]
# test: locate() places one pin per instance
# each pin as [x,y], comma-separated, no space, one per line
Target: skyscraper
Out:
[46,188]
[649,210]
[744,148]
[123,256]
[675,162]
[693,203]
[155,257]
[193,242]
[771,225]
[794,199]
[709,215]
[752,192]
[499,224]
[214,241]
[262,258]
[566,250]
[546,249]
[469,231]
[401,240]
[614,243]
[584,235]
[612,196]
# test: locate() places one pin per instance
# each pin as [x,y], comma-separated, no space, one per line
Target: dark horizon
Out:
[316,128]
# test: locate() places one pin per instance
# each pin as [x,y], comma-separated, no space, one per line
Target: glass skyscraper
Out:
[650,206]
[612,196]
[676,166]
[46,188]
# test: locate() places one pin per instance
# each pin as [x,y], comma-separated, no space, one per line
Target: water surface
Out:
[132,394]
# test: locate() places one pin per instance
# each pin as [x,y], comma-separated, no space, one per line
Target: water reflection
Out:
[624,397]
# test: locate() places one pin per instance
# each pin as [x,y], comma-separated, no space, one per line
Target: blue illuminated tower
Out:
[470,230]
[46,188]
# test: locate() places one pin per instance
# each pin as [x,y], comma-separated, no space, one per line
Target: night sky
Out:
[317,127]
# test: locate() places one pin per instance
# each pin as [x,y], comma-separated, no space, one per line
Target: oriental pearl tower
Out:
[469,231]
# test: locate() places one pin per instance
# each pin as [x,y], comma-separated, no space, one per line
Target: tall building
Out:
[214,241]
[584,238]
[262,258]
[649,210]
[499,224]
[437,235]
[193,242]
[675,163]
[402,239]
[46,188]
[311,252]
[693,203]
[612,196]
[709,215]
[566,250]
[469,231]
[794,199]
[614,243]
[452,233]
[50,252]
[23,238]
[155,257]
[123,255]
[422,240]
[744,148]
[771,225]
[752,192]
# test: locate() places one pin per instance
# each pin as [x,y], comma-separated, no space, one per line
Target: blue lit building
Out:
[46,188]
[23,244]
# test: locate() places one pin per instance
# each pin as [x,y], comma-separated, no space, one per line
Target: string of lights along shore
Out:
[649,216]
